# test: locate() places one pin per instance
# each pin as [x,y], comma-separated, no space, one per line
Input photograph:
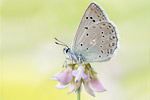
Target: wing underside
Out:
[96,39]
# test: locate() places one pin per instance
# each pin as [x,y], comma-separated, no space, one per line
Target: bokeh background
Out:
[29,56]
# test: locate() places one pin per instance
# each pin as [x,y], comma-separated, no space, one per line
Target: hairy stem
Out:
[78,94]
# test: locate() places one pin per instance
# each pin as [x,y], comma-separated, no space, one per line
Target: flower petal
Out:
[84,76]
[66,77]
[88,77]
[78,78]
[81,68]
[56,75]
[53,78]
[72,88]
[75,73]
[79,73]
[77,85]
[88,89]
[96,84]
[60,86]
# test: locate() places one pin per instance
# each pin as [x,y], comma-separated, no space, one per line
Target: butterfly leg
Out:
[65,63]
[71,60]
[81,60]
[68,59]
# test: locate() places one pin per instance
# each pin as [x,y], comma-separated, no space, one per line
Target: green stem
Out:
[78,94]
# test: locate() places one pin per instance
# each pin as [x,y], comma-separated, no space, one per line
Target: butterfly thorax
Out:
[71,55]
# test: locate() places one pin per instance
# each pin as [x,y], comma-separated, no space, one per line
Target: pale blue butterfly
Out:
[96,39]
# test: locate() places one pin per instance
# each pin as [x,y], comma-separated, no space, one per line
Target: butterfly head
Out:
[66,50]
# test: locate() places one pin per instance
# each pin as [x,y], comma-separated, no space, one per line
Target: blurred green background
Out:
[29,56]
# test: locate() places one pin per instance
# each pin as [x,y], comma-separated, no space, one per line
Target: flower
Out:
[92,80]
[64,76]
[96,84]
[74,86]
[74,75]
[79,73]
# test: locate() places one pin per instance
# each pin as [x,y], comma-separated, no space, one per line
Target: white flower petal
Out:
[60,86]
[75,73]
[84,76]
[72,88]
[77,78]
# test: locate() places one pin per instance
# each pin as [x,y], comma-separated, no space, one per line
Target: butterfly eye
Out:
[67,50]
[86,17]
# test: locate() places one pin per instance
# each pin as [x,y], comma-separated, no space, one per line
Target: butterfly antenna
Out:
[60,43]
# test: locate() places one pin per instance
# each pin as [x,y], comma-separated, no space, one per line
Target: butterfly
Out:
[96,39]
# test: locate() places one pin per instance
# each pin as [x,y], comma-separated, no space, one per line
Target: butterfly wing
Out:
[94,13]
[99,41]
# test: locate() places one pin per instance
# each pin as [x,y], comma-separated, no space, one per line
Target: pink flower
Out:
[74,75]
[88,89]
[64,76]
[96,84]
[79,73]
[92,80]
